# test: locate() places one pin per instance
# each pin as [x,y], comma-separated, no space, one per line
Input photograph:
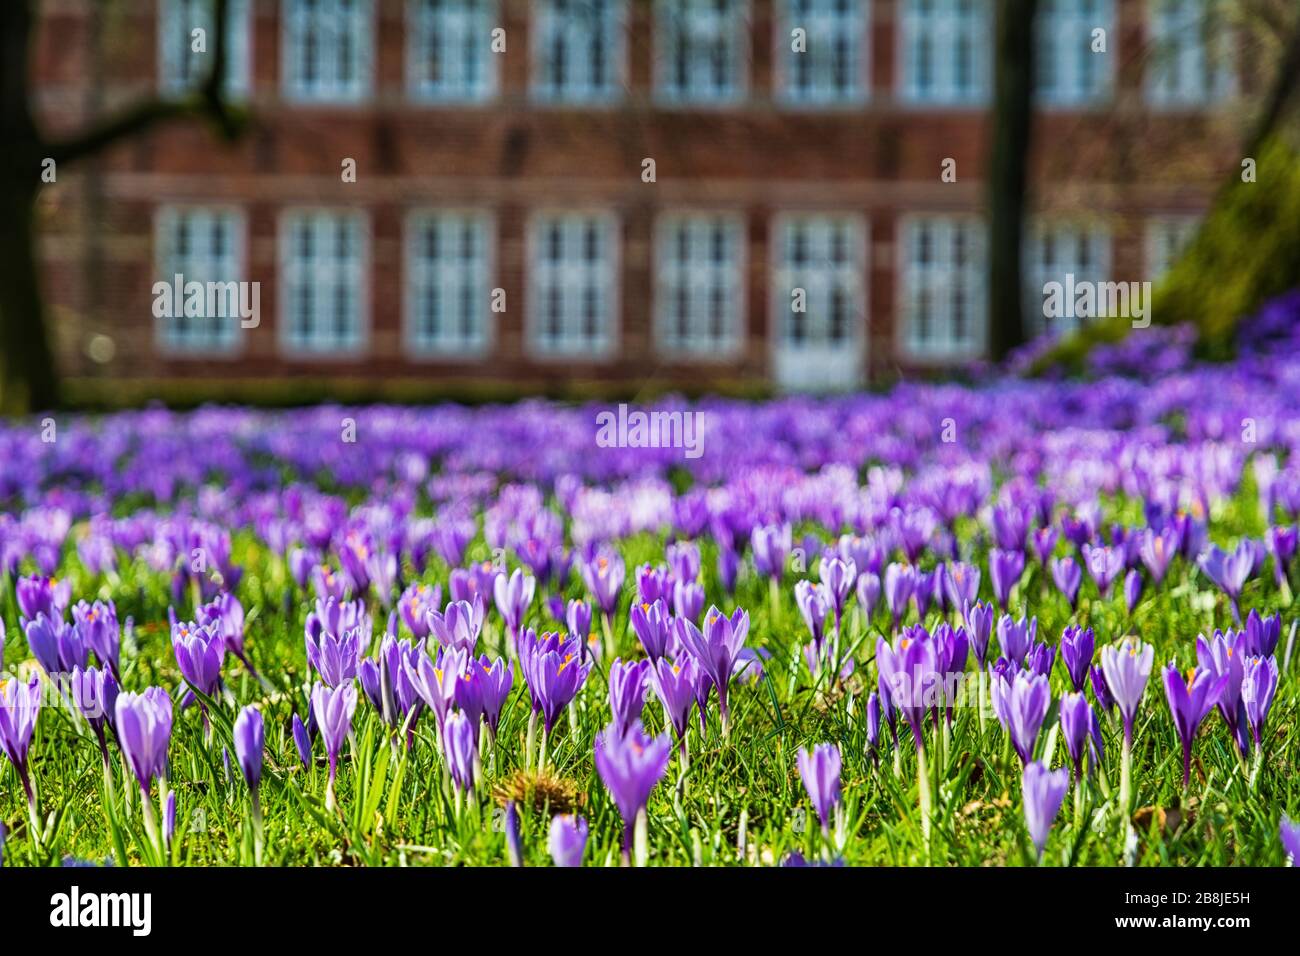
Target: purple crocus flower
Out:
[1040,658]
[56,645]
[490,684]
[555,674]
[250,744]
[630,765]
[962,583]
[653,626]
[169,818]
[1021,703]
[1005,568]
[200,651]
[716,649]
[144,731]
[728,567]
[900,583]
[1076,723]
[814,603]
[1077,647]
[603,576]
[838,577]
[1290,835]
[458,742]
[1261,634]
[1230,570]
[333,708]
[435,681]
[567,839]
[651,583]
[39,595]
[1132,589]
[1127,665]
[675,684]
[909,674]
[627,690]
[1043,791]
[1104,563]
[577,617]
[771,545]
[1281,543]
[688,600]
[1067,576]
[225,615]
[513,596]
[1258,685]
[979,625]
[1157,550]
[1224,656]
[457,626]
[868,589]
[820,772]
[20,706]
[1100,689]
[1015,638]
[97,626]
[335,655]
[873,725]
[94,692]
[1190,700]
[302,741]
[1044,543]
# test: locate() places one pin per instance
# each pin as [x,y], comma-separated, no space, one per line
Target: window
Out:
[829,65]
[447,284]
[1067,253]
[817,291]
[1167,237]
[1191,55]
[327,50]
[449,50]
[943,309]
[699,292]
[700,50]
[199,245]
[1069,71]
[182,67]
[946,51]
[323,278]
[572,287]
[579,48]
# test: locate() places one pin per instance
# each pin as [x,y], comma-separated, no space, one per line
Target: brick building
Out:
[505,231]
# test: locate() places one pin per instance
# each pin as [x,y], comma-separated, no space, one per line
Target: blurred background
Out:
[484,199]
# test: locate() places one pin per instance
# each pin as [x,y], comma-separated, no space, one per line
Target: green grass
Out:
[741,802]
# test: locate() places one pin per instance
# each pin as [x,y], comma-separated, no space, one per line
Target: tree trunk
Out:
[1008,171]
[28,379]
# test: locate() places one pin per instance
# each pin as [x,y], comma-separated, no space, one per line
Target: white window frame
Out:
[176,21]
[704,280]
[822,24]
[938,280]
[452,25]
[1068,241]
[1063,47]
[572,275]
[291,343]
[1185,69]
[943,24]
[1166,238]
[548,22]
[705,26]
[449,273]
[819,279]
[330,19]
[166,220]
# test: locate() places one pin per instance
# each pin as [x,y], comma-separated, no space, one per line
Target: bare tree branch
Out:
[209,101]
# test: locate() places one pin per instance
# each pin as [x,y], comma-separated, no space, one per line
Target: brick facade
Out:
[511,156]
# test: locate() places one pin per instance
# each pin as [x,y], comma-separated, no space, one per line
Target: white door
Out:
[818,302]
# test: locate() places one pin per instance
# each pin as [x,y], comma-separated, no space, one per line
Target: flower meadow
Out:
[1018,623]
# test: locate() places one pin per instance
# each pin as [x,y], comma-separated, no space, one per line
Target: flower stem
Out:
[923,781]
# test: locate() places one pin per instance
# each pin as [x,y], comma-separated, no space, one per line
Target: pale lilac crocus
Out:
[1127,666]
[1042,791]
[630,765]
[333,708]
[1258,687]
[100,633]
[1230,570]
[820,773]
[627,690]
[814,603]
[459,625]
[20,706]
[513,596]
[716,649]
[567,839]
[1224,655]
